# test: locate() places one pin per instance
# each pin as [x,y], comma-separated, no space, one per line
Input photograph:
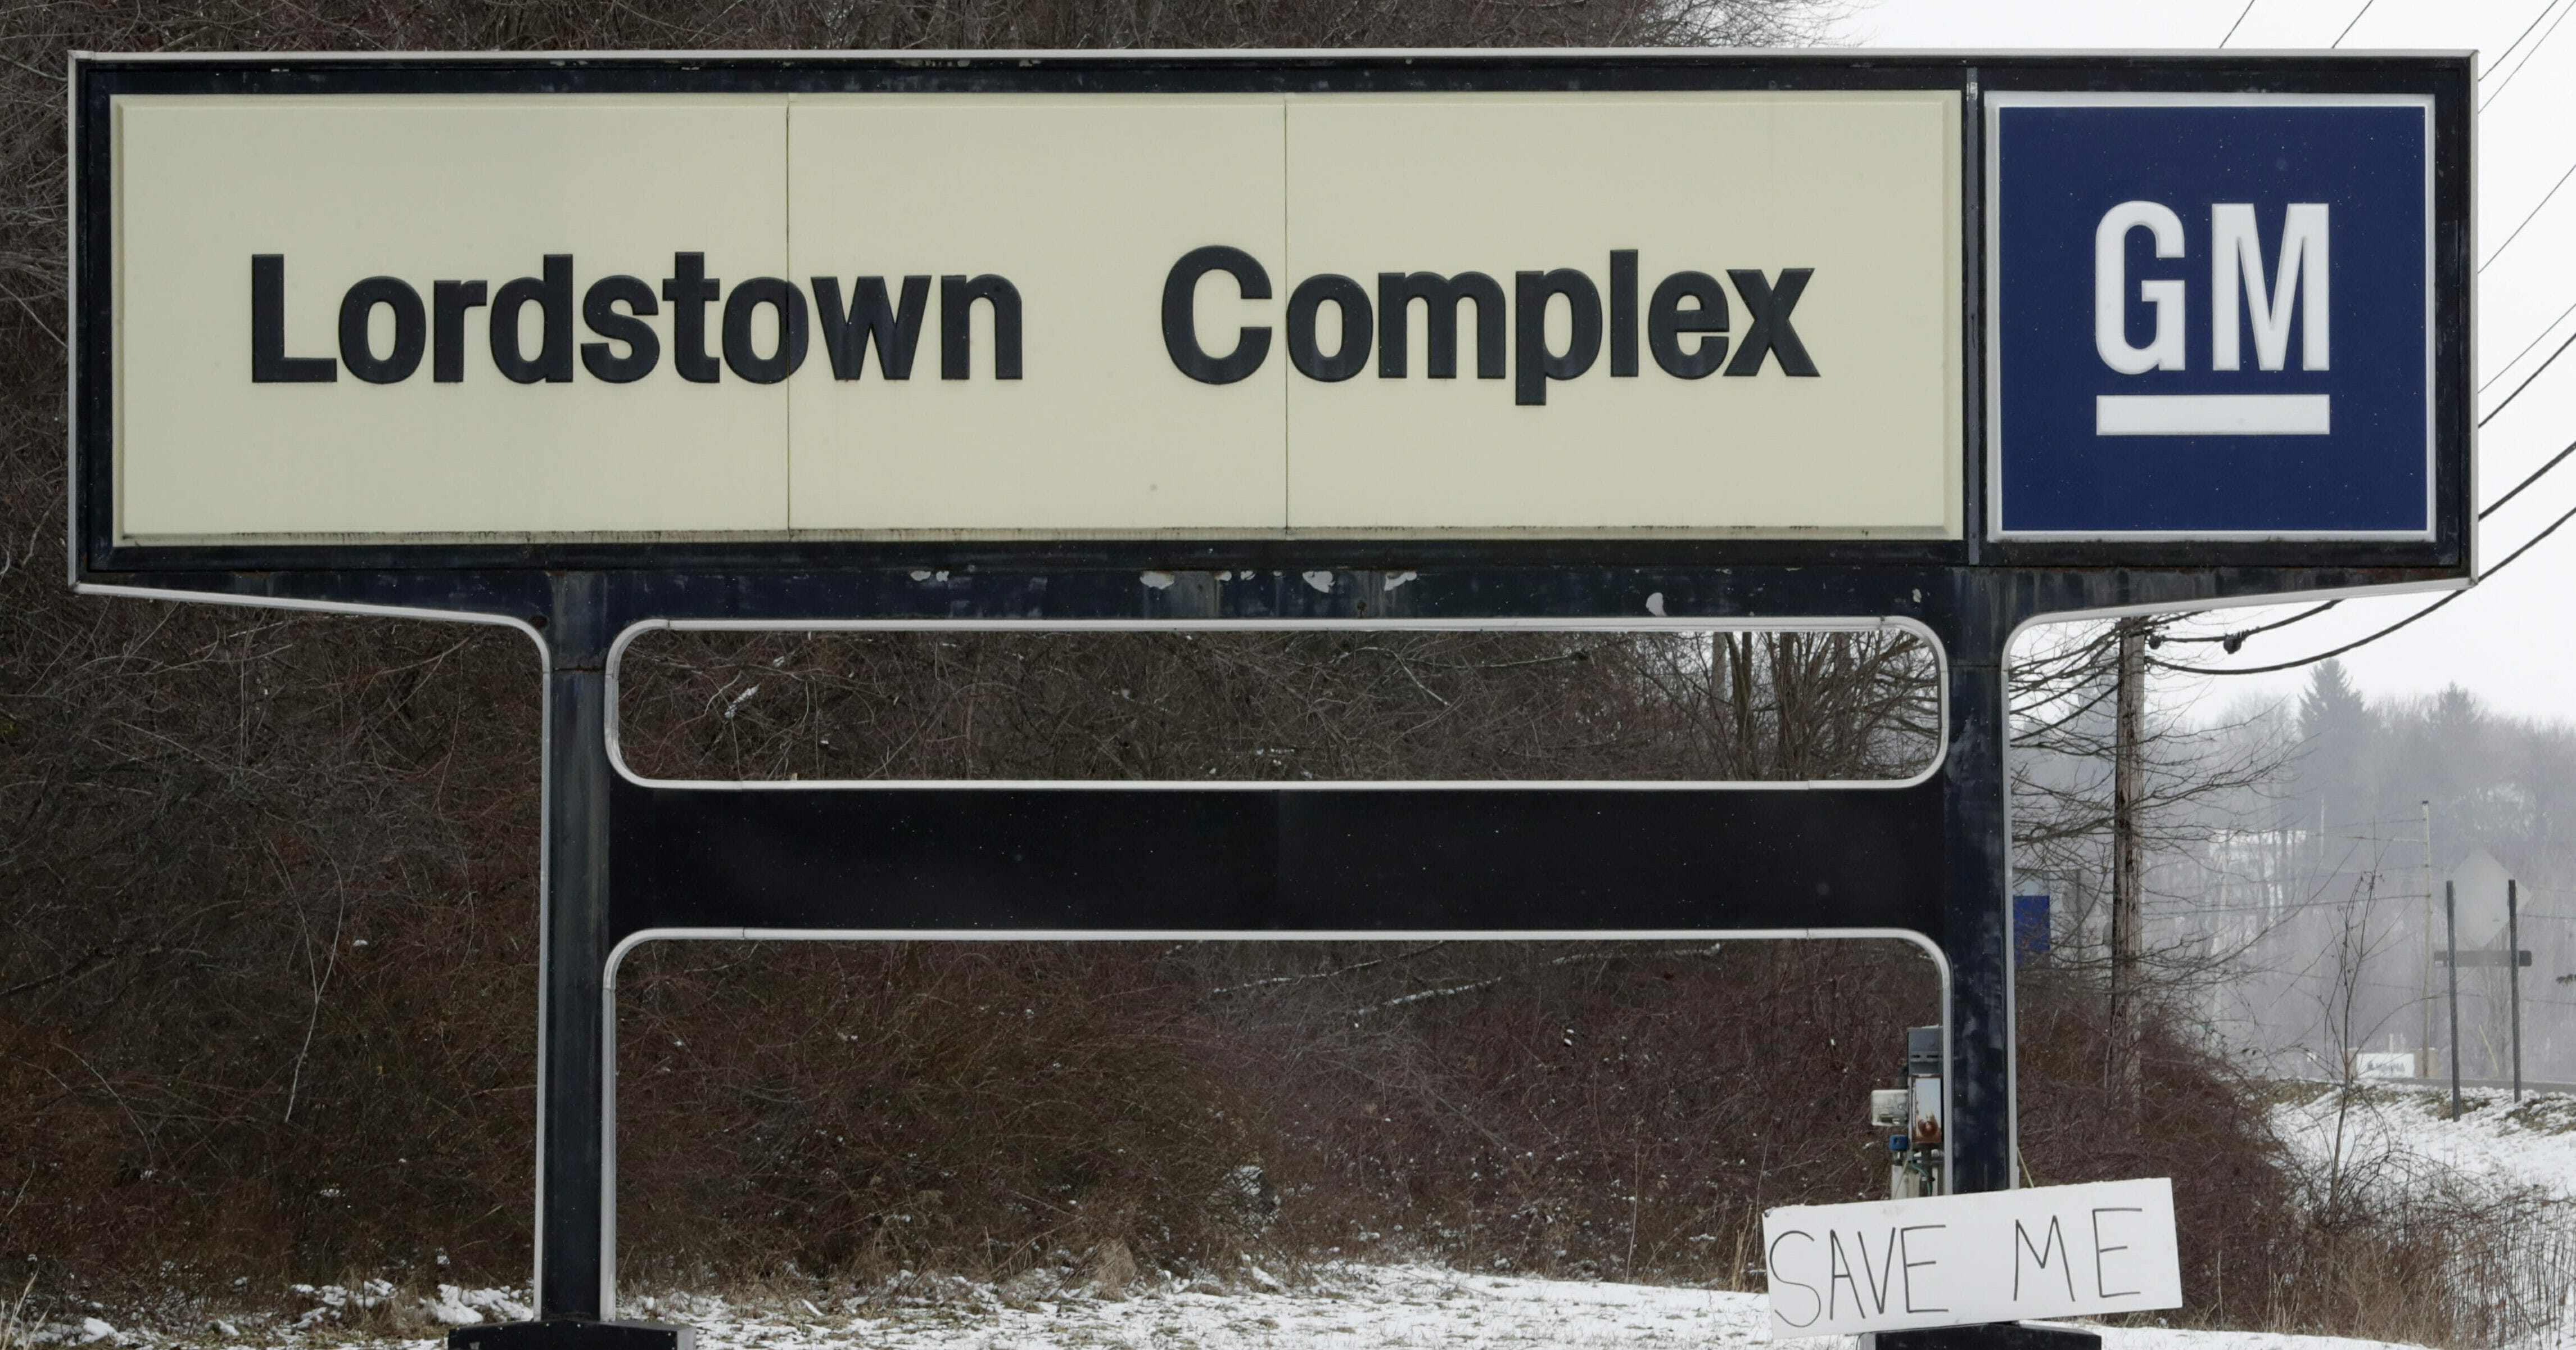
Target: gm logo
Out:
[2209,316]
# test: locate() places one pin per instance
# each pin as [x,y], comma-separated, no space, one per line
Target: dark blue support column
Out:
[1978,1133]
[574,1267]
[571,1209]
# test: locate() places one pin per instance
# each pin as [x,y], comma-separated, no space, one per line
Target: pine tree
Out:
[2337,730]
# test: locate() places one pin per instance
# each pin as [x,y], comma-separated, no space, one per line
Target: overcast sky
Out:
[2513,639]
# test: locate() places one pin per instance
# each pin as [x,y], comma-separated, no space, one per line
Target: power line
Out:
[2236,639]
[2526,382]
[2499,502]
[2546,6]
[2517,70]
[2526,56]
[2401,623]
[2249,8]
[2322,656]
[2526,220]
[2356,19]
[2537,339]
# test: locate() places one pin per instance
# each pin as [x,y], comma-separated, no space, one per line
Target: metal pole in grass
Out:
[2513,974]
[2451,937]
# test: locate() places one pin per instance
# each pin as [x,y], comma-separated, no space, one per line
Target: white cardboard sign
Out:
[1961,1260]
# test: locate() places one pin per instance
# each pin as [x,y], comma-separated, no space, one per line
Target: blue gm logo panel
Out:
[2211,316]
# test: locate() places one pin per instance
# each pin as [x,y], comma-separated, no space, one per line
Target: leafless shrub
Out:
[1590,1110]
[267,966]
[2409,1246]
[268,886]
[1280,706]
[2369,1240]
[1614,1110]
[846,1113]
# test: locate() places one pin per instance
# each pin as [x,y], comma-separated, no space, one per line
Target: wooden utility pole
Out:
[2128,854]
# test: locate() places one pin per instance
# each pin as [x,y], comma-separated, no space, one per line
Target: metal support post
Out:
[2451,939]
[571,1210]
[2424,1038]
[574,1271]
[2513,973]
[1977,1129]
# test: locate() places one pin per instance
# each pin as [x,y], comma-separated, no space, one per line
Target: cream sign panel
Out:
[888,316]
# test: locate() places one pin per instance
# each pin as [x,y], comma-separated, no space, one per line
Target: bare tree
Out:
[1281,706]
[267,958]
[2107,789]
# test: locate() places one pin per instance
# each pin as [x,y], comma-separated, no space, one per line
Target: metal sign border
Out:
[96,556]
[1996,102]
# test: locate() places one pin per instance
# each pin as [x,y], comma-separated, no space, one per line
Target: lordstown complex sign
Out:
[595,344]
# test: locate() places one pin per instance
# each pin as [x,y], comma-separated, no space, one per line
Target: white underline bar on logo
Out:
[2213,414]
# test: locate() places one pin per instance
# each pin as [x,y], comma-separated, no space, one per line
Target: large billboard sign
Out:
[449,311]
[599,343]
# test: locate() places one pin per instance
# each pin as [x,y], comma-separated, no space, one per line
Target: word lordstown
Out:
[1687,322]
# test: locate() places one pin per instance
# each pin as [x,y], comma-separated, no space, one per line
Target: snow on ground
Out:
[1347,1309]
[2494,1139]
[1352,1307]
[1407,1307]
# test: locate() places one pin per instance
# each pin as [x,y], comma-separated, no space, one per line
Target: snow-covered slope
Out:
[1356,1307]
[1346,1308]
[2531,1144]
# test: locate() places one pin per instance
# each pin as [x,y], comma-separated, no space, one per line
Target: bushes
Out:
[1621,1111]
[2373,1241]
[838,1113]
[268,969]
[800,1109]
[266,965]
[265,989]
[1600,1110]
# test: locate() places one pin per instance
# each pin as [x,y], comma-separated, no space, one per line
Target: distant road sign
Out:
[2483,960]
[2030,928]
[2212,315]
[2478,887]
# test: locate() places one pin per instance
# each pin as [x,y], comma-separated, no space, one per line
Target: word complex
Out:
[763,328]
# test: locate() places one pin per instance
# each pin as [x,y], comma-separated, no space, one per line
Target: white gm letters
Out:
[2164,351]
[2237,249]
[2297,287]
[2298,284]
